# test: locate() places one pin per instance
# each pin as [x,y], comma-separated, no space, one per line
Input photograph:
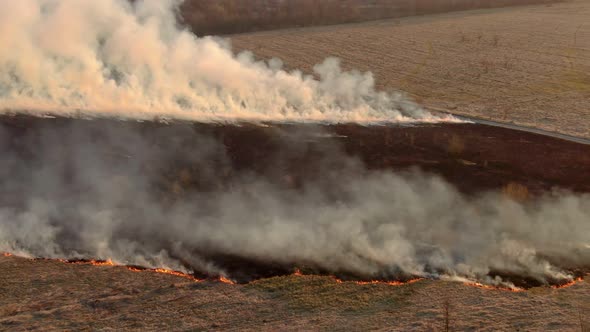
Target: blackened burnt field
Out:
[206,199]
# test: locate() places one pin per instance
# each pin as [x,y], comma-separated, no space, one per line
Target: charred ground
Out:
[474,157]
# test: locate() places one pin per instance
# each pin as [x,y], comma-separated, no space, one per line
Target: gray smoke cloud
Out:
[115,192]
[122,59]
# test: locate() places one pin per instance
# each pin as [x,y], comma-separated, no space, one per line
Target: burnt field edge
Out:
[520,284]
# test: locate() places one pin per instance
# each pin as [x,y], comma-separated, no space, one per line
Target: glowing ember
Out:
[226,280]
[297,272]
[6,254]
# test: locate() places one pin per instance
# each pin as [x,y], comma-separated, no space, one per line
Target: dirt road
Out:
[528,65]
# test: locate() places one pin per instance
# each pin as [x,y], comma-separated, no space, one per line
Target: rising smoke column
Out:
[122,59]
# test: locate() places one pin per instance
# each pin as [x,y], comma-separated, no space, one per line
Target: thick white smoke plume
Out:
[123,59]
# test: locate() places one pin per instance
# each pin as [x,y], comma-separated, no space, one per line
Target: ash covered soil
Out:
[52,295]
[529,65]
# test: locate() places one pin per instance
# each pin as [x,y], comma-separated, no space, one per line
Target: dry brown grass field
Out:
[50,295]
[529,65]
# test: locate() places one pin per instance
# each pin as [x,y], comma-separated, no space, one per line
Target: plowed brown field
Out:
[529,65]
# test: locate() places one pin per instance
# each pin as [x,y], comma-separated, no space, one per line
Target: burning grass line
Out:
[165,271]
[110,263]
[137,269]
[475,284]
[296,273]
[389,283]
[496,288]
[226,280]
[569,284]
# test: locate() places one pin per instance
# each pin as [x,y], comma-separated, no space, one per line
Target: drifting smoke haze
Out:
[114,58]
[73,191]
[86,189]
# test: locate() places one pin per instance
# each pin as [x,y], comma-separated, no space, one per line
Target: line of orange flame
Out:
[226,280]
[296,273]
[134,269]
[478,285]
[180,274]
[372,282]
[109,262]
[156,270]
[471,284]
[490,287]
[380,282]
[569,284]
[165,271]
